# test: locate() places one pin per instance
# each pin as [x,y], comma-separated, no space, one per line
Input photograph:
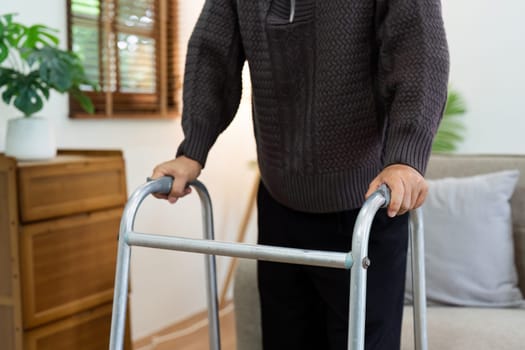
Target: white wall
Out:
[487,48]
[487,45]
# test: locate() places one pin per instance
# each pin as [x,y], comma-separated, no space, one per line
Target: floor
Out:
[192,334]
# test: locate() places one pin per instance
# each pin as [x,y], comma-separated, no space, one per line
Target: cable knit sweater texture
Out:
[340,89]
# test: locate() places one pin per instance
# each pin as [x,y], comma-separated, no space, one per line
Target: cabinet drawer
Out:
[67,265]
[70,184]
[89,330]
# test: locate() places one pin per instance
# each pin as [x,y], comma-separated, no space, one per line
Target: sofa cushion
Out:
[456,165]
[469,250]
[247,306]
[460,328]
[451,328]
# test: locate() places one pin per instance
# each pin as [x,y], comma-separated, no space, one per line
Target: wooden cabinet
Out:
[88,330]
[59,222]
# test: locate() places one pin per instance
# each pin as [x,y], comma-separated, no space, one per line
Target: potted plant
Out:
[31,65]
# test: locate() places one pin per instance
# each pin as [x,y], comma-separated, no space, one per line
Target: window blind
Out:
[129,50]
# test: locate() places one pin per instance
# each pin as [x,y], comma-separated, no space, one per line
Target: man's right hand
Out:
[183,170]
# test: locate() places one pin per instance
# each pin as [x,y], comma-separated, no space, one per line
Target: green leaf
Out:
[10,32]
[28,101]
[455,104]
[56,67]
[17,32]
[8,75]
[8,94]
[38,36]
[4,52]
[8,17]
[43,89]
[27,91]
[85,102]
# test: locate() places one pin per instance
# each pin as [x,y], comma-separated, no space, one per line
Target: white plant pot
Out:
[30,138]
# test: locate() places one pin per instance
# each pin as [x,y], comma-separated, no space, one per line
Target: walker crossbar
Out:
[243,250]
[356,260]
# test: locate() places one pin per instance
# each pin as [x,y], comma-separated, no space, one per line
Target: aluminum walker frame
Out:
[356,260]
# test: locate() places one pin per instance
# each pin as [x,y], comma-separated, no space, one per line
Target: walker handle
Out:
[166,182]
[385,191]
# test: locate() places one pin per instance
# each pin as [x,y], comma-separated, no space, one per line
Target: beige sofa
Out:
[449,328]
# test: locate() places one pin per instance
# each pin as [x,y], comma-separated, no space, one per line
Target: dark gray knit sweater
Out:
[341,89]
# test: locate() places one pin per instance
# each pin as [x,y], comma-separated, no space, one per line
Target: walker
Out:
[356,260]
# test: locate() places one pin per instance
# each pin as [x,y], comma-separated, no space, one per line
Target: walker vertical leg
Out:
[118,319]
[357,309]
[211,271]
[213,308]
[120,294]
[418,279]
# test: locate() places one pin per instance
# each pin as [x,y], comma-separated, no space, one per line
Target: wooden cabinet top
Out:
[73,156]
[73,182]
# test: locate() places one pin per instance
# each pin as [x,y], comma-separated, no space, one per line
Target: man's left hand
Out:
[408,188]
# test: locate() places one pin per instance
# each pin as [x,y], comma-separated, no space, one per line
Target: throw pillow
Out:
[469,250]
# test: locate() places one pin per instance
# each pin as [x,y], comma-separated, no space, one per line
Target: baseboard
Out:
[185,326]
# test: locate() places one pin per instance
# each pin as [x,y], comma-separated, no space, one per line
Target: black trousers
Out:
[304,307]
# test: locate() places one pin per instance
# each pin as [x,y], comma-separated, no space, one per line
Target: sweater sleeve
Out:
[212,78]
[412,78]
